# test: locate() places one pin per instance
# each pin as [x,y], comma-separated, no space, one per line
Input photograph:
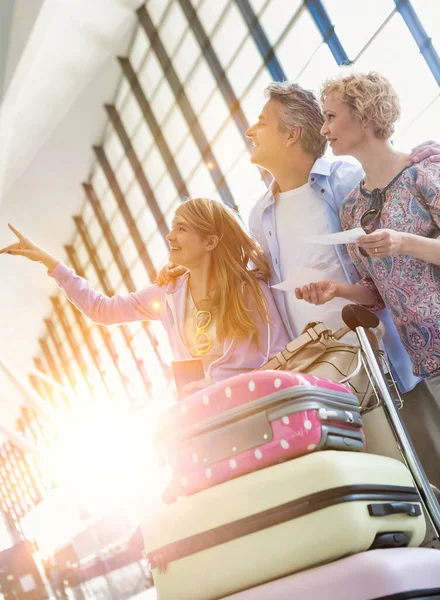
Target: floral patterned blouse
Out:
[407,286]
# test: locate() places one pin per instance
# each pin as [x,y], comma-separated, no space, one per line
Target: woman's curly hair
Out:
[370,96]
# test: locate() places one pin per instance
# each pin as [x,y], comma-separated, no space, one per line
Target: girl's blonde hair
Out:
[237,259]
[370,96]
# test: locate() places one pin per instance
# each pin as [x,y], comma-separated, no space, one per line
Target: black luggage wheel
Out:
[394,508]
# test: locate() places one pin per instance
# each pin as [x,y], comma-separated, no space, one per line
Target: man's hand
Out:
[168,272]
[429,149]
[383,242]
[318,293]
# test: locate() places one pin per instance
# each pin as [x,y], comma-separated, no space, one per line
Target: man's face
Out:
[270,144]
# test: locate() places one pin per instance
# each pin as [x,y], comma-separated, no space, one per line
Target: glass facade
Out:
[190,86]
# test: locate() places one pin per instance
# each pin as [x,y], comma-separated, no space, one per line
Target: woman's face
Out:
[187,248]
[344,132]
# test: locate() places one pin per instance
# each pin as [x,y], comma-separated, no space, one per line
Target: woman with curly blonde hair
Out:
[399,209]
[220,310]
[399,257]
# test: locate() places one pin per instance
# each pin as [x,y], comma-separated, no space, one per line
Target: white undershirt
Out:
[300,213]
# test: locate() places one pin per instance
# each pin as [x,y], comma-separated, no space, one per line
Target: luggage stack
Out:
[270,483]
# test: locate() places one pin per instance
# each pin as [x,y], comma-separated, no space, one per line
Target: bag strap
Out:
[312,333]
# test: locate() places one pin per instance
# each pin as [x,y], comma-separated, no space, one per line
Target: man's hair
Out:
[299,108]
[370,97]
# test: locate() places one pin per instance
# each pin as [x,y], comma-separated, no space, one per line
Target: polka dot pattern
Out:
[285,420]
[258,454]
[277,382]
[205,399]
[251,386]
[233,464]
[228,392]
[284,444]
[307,424]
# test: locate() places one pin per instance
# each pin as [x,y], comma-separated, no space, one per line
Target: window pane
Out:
[129,251]
[156,10]
[165,193]
[210,12]
[223,42]
[229,146]
[162,102]
[150,75]
[175,129]
[275,17]
[186,56]
[201,183]
[139,48]
[321,66]
[131,115]
[119,228]
[244,67]
[113,148]
[172,28]
[215,113]
[158,250]
[124,174]
[396,61]
[146,223]
[344,13]
[299,45]
[188,157]
[200,86]
[135,199]
[142,139]
[154,166]
[109,205]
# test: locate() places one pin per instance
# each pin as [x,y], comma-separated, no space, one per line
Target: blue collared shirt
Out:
[331,182]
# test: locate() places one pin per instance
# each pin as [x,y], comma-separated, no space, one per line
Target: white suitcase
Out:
[280,520]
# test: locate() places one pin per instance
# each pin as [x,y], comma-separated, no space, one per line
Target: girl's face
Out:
[187,248]
[344,132]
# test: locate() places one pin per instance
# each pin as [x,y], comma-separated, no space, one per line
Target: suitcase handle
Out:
[394,508]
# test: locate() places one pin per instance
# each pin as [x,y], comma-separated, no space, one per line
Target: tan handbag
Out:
[318,351]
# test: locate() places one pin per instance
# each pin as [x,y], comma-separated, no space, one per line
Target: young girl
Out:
[220,310]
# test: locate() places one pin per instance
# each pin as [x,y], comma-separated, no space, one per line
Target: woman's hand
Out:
[195,386]
[26,247]
[318,293]
[383,242]
[168,272]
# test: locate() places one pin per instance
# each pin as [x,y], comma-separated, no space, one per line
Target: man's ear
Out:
[294,136]
[211,242]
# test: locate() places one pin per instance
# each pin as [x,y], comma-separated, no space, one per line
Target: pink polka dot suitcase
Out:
[253,421]
[392,574]
[284,519]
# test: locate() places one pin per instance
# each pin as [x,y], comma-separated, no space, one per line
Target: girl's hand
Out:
[195,386]
[318,293]
[383,242]
[26,247]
